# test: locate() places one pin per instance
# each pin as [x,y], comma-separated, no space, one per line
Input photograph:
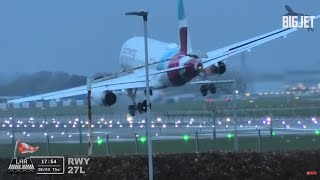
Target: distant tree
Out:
[40,82]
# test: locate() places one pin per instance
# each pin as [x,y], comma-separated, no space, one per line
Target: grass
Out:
[277,143]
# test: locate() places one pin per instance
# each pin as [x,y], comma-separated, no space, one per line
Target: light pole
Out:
[236,148]
[145,19]
[89,86]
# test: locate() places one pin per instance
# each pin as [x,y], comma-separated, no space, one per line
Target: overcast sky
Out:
[85,36]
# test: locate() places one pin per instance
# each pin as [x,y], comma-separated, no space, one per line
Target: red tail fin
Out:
[183,40]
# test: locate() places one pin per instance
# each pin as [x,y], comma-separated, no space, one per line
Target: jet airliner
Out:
[170,65]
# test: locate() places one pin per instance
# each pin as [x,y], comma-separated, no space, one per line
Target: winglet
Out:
[289,9]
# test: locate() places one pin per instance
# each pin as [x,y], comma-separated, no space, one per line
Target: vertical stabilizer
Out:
[185,42]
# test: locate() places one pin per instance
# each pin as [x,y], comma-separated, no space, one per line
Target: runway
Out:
[69,129]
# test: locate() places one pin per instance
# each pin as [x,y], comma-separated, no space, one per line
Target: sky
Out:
[85,36]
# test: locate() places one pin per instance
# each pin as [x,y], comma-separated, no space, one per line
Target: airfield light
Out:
[143,139]
[228,119]
[159,119]
[273,133]
[51,137]
[152,125]
[156,134]
[164,126]
[99,141]
[229,135]
[317,132]
[28,135]
[185,137]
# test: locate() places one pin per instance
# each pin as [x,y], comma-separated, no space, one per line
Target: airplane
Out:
[170,65]
[291,12]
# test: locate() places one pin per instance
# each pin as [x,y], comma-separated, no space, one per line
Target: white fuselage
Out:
[167,55]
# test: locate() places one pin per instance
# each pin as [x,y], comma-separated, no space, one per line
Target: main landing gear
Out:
[208,87]
[140,107]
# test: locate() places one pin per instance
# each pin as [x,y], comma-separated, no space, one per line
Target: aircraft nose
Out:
[194,67]
[198,66]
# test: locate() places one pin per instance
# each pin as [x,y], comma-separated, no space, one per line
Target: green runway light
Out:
[143,139]
[273,134]
[229,135]
[99,141]
[317,132]
[185,137]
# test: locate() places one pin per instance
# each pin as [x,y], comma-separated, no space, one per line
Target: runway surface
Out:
[69,129]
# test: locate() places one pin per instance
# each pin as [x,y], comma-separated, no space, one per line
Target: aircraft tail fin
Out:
[185,42]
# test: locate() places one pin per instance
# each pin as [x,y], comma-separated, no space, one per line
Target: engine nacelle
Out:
[104,98]
[221,67]
[218,68]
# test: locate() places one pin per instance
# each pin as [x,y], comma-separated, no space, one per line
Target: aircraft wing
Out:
[115,84]
[215,56]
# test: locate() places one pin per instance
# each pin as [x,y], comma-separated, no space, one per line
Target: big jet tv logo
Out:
[298,22]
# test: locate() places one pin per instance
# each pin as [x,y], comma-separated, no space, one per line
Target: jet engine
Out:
[104,98]
[218,68]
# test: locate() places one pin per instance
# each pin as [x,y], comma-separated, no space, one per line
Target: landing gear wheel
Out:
[204,89]
[212,89]
[132,110]
[140,108]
